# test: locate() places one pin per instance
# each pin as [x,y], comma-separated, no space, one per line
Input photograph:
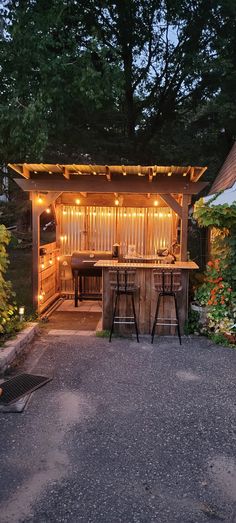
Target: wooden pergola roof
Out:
[36,170]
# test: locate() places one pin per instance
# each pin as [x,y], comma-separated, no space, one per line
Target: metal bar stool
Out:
[122,282]
[166,283]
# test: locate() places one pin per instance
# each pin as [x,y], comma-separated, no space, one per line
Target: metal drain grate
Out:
[16,387]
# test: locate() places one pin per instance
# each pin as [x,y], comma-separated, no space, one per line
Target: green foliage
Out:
[131,81]
[222,218]
[192,324]
[202,294]
[8,320]
[218,291]
[103,334]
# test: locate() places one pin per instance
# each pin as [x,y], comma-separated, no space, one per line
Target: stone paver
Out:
[125,432]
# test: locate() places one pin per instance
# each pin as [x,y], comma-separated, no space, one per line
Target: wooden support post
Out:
[35,251]
[184,228]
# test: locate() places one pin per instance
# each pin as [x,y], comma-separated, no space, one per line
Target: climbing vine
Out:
[222,220]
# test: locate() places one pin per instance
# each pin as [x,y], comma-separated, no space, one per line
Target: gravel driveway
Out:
[125,432]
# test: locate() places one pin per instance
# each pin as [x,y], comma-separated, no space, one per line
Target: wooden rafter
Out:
[108,174]
[66,173]
[150,174]
[26,172]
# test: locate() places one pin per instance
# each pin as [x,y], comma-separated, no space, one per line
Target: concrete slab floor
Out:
[125,432]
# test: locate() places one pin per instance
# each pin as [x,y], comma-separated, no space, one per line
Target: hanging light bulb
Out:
[48,210]
[40,199]
[155,203]
[116,202]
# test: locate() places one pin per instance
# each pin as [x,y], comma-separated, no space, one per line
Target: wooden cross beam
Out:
[171,202]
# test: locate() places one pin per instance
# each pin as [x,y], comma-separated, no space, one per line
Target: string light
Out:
[116,202]
[48,210]
[77,201]
[156,203]
[169,174]
[40,199]
[50,261]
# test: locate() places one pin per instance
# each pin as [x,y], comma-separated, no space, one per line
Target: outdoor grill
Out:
[83,265]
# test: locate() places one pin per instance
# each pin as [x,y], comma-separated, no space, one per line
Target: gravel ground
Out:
[125,432]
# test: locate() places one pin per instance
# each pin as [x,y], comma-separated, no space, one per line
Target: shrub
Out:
[8,316]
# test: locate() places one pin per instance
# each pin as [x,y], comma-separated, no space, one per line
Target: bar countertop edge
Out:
[183,265]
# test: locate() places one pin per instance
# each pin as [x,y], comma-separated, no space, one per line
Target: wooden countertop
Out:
[189,265]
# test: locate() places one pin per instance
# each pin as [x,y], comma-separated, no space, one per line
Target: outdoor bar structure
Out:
[141,210]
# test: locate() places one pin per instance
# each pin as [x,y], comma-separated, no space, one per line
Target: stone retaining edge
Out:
[13,347]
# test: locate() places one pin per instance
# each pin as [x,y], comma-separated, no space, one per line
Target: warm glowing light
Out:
[50,261]
[124,173]
[58,258]
[62,238]
[77,201]
[169,214]
[94,172]
[134,213]
[42,265]
[184,174]
[125,213]
[21,312]
[64,212]
[48,210]
[169,174]
[40,296]
[116,202]
[160,215]
[156,203]
[49,172]
[94,213]
[40,199]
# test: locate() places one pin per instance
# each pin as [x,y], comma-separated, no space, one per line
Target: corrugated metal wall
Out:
[98,228]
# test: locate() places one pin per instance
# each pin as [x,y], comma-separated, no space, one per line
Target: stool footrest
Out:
[125,322]
[172,324]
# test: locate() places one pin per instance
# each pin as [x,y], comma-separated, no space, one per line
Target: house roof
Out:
[36,170]
[226,177]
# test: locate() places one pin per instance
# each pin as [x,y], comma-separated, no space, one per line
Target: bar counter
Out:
[146,297]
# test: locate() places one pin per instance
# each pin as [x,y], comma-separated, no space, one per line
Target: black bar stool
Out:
[166,282]
[122,282]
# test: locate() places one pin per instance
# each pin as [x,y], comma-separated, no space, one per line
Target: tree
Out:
[104,81]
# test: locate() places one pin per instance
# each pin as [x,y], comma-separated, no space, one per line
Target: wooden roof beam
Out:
[92,169]
[66,173]
[198,175]
[26,172]
[150,174]
[108,174]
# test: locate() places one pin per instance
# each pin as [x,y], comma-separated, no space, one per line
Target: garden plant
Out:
[218,290]
[9,319]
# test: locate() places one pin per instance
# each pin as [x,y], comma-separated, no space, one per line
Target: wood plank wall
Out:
[48,275]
